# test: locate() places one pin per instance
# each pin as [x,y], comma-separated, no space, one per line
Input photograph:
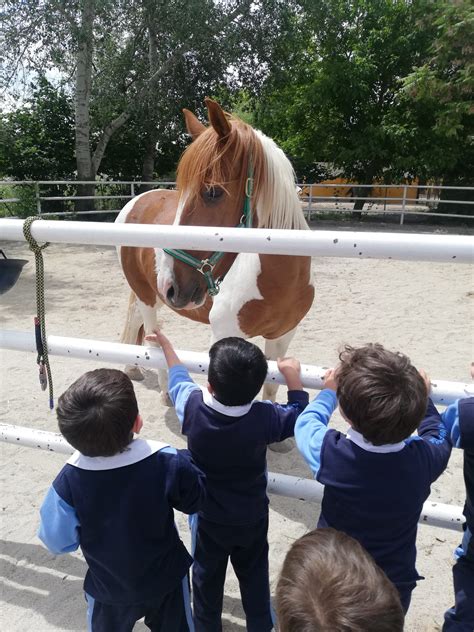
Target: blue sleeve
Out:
[284,416]
[435,434]
[59,527]
[450,419]
[185,484]
[180,387]
[311,427]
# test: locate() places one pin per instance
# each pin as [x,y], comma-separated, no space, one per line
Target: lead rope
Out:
[42,358]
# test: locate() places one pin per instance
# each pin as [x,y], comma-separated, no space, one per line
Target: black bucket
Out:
[10,270]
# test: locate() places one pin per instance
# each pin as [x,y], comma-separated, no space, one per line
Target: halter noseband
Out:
[206,266]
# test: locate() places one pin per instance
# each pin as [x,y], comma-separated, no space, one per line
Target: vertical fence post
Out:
[310,201]
[132,189]
[404,203]
[38,199]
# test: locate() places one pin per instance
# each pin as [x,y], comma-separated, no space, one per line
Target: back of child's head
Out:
[237,371]
[328,582]
[97,412]
[381,393]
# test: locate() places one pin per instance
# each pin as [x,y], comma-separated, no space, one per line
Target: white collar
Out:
[137,450]
[230,411]
[359,440]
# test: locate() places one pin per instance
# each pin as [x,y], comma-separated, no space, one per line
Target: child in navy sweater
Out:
[115,498]
[228,434]
[376,476]
[459,417]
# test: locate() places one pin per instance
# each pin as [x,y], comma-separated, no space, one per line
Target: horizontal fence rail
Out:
[443,392]
[352,244]
[316,198]
[433,513]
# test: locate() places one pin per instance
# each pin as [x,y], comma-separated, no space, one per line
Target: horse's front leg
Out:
[132,334]
[142,320]
[150,322]
[274,349]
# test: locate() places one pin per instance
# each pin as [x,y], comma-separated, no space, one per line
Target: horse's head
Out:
[213,183]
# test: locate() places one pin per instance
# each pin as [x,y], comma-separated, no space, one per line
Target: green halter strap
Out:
[206,266]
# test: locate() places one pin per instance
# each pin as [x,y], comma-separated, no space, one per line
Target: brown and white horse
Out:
[264,295]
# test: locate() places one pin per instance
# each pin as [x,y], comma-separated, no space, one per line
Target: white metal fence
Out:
[318,198]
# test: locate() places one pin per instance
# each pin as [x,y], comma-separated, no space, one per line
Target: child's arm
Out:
[168,349]
[185,485]
[290,368]
[311,425]
[436,436]
[282,421]
[180,383]
[59,527]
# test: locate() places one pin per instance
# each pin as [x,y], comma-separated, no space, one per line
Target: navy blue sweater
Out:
[374,493]
[229,444]
[119,510]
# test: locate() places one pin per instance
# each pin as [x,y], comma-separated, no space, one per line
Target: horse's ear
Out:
[218,118]
[193,124]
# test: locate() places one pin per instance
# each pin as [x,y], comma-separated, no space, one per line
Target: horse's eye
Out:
[211,194]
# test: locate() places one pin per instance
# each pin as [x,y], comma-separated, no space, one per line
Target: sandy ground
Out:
[423,309]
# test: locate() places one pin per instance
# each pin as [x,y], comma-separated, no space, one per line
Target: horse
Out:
[230,175]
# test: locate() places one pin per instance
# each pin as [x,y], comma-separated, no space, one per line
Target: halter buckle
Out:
[206,267]
[249,187]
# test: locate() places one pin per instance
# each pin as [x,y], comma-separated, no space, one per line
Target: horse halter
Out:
[206,266]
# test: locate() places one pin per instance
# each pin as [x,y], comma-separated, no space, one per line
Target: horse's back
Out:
[152,207]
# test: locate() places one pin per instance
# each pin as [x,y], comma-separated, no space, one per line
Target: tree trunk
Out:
[359,192]
[148,168]
[83,92]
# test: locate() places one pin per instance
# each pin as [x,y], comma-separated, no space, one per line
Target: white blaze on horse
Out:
[230,175]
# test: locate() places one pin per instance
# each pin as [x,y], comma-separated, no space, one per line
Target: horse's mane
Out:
[208,160]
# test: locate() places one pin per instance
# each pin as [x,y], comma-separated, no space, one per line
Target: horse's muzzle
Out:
[177,298]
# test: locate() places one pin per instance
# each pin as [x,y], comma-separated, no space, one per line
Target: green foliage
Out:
[434,116]
[37,140]
[26,204]
[331,102]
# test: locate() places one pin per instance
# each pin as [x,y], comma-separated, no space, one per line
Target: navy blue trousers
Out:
[172,613]
[460,618]
[247,548]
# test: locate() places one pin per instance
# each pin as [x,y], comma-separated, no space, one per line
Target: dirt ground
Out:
[422,309]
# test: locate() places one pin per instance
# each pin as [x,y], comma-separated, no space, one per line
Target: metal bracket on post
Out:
[38,198]
[404,203]
[310,202]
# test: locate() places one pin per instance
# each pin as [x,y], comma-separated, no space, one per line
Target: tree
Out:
[332,101]
[141,59]
[433,121]
[38,138]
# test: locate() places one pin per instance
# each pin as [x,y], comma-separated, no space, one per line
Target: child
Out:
[115,498]
[377,476]
[329,582]
[459,417]
[228,434]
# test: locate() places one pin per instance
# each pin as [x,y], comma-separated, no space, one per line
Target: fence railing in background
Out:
[344,197]
[321,198]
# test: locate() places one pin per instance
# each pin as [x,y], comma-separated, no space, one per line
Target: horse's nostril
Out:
[170,293]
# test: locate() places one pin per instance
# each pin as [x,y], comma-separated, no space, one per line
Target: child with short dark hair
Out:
[459,418]
[115,498]
[329,582]
[228,434]
[376,476]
